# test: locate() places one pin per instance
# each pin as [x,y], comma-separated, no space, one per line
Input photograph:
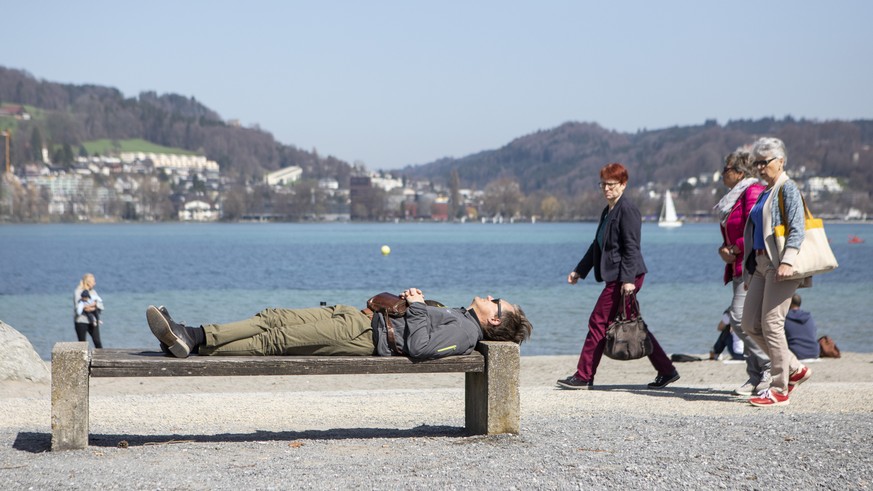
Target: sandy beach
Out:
[406,431]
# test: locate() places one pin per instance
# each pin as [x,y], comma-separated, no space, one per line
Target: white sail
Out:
[668,213]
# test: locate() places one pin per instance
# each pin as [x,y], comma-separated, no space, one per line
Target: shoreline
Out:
[407,432]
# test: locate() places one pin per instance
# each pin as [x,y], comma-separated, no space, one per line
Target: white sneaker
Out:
[746,389]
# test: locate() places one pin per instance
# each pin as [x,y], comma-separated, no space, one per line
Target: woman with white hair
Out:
[767,270]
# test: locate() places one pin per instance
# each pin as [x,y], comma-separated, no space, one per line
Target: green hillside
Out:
[108,147]
[10,123]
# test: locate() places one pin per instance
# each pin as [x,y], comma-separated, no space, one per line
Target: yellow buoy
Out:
[386,250]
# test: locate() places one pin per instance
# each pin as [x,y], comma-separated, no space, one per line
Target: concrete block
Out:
[70,382]
[493,401]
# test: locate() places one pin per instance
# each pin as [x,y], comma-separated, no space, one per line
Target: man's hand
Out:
[573,277]
[412,295]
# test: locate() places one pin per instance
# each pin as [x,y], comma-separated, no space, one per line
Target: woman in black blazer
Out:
[616,259]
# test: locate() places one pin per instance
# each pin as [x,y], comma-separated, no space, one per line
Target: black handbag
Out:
[627,337]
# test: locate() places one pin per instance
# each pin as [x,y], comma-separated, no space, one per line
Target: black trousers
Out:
[94,330]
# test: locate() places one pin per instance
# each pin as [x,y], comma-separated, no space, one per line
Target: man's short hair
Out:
[795,300]
[513,326]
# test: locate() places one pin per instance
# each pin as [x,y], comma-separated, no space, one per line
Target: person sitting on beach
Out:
[727,339]
[424,332]
[800,331]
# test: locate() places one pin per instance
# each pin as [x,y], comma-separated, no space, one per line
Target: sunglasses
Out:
[608,185]
[763,163]
[499,309]
[727,169]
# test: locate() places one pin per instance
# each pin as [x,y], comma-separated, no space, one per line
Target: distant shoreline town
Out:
[134,179]
[140,186]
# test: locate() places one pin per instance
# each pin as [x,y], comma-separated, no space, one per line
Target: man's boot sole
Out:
[161,329]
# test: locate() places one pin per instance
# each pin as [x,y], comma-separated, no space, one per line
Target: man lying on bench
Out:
[425,331]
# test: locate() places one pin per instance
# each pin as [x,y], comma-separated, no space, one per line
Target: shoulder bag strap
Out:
[389,332]
[635,305]
[781,197]
[622,312]
[807,213]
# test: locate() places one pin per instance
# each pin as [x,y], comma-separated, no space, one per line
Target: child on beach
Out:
[85,300]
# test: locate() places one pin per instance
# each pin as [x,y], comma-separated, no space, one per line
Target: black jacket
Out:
[620,259]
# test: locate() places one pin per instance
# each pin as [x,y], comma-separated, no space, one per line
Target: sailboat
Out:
[668,218]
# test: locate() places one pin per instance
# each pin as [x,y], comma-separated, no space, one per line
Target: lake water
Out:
[223,272]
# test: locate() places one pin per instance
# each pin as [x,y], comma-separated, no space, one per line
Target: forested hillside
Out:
[72,114]
[567,158]
[563,162]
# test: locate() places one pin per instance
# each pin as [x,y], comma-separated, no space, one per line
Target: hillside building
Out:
[284,176]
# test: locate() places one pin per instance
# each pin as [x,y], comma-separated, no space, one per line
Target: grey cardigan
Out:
[772,217]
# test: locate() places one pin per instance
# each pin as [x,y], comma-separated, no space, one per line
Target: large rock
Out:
[18,359]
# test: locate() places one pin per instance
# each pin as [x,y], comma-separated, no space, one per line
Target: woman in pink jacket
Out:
[733,209]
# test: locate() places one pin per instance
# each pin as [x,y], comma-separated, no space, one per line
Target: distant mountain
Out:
[73,114]
[562,161]
[566,159]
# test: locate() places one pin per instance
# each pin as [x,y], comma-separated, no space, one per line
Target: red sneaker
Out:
[799,376]
[769,397]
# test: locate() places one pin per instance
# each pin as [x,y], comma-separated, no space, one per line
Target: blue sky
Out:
[390,83]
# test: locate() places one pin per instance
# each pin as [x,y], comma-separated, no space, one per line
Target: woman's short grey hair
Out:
[768,148]
[740,160]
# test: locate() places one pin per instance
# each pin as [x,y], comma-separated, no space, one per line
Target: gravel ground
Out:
[326,432]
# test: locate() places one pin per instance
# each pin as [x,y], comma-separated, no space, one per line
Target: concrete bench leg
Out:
[492,397]
[70,376]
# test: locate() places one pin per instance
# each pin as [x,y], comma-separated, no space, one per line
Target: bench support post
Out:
[70,380]
[492,397]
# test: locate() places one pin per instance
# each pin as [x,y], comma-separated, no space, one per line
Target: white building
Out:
[817,185]
[328,183]
[172,161]
[387,183]
[284,176]
[198,211]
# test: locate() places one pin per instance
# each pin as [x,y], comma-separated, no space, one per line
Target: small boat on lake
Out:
[668,218]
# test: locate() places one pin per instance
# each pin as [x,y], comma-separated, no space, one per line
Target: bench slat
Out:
[138,363]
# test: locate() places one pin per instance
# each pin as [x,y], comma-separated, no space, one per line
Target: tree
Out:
[68,154]
[155,199]
[36,145]
[550,208]
[456,207]
[233,205]
[503,197]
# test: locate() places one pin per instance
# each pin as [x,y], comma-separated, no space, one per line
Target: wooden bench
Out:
[491,383]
